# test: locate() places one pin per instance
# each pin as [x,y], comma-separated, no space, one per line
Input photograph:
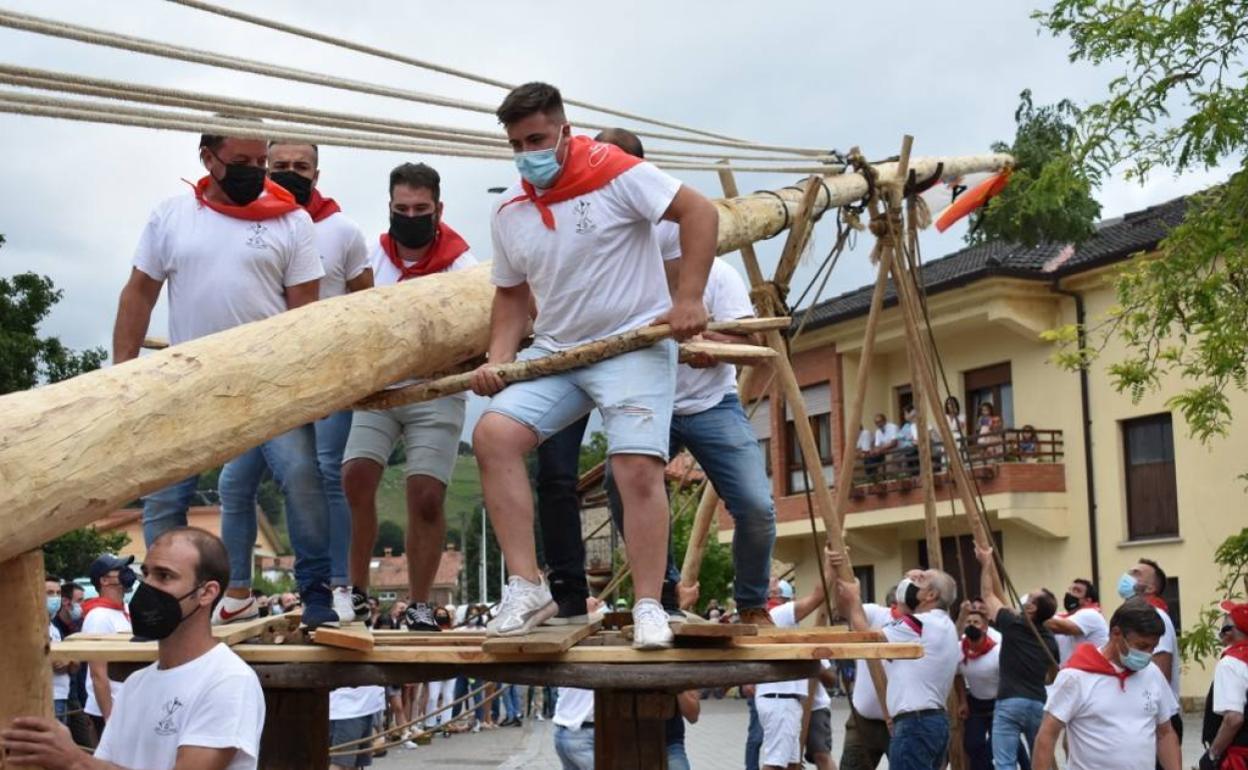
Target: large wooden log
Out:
[27,681]
[72,452]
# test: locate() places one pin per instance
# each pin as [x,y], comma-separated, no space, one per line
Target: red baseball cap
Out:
[1238,613]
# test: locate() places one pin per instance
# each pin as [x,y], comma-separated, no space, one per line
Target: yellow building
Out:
[1102,481]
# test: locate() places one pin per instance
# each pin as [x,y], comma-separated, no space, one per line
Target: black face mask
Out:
[155,614]
[298,185]
[127,579]
[264,611]
[242,184]
[973,633]
[412,232]
[1070,602]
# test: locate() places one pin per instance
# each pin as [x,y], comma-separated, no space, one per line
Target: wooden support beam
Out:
[27,689]
[296,729]
[799,233]
[629,729]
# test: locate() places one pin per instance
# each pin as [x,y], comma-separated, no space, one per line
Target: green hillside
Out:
[463,498]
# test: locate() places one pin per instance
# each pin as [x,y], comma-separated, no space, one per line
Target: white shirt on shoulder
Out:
[864,699]
[921,684]
[784,616]
[1230,686]
[600,271]
[223,272]
[214,702]
[1169,643]
[726,299]
[1094,630]
[983,674]
[574,707]
[343,253]
[103,620]
[352,702]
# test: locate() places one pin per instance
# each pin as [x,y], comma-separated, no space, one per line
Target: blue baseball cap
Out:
[106,563]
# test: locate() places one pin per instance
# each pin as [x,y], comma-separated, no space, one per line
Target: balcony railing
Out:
[1016,445]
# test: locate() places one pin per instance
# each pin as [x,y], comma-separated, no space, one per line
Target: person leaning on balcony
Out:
[884,440]
[908,442]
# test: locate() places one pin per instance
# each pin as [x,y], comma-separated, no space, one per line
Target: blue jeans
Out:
[166,508]
[575,747]
[331,440]
[919,743]
[977,734]
[753,738]
[723,442]
[1014,718]
[511,701]
[60,708]
[677,759]
[293,459]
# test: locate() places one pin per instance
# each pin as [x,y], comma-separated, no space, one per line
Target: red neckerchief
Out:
[589,166]
[1090,659]
[1157,602]
[895,611]
[1238,651]
[1092,606]
[319,207]
[274,202]
[446,247]
[100,601]
[970,653]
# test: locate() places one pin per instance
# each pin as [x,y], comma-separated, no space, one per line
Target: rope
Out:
[396,729]
[422,64]
[94,36]
[337,751]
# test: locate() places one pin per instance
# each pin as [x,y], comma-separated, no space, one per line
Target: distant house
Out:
[130,521]
[388,576]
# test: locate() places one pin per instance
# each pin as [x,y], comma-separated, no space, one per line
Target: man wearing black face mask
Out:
[419,243]
[1081,621]
[198,706]
[237,249]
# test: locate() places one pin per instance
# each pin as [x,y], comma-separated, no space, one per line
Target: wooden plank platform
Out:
[350,638]
[544,640]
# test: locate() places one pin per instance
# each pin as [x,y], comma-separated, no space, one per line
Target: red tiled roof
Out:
[391,571]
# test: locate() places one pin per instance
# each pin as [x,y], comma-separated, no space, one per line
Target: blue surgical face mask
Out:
[1135,659]
[1126,586]
[53,604]
[540,168]
[75,612]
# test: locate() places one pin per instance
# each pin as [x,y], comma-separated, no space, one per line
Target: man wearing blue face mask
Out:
[1147,580]
[60,671]
[1114,706]
[576,236]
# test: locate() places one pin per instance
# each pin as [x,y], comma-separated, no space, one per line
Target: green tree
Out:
[389,535]
[69,555]
[472,558]
[715,577]
[26,358]
[1200,643]
[593,452]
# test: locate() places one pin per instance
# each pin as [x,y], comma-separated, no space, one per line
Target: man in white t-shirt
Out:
[574,728]
[1114,706]
[352,711]
[979,674]
[1225,733]
[866,731]
[344,257]
[235,249]
[577,237]
[917,689]
[1081,621]
[60,671]
[105,614]
[198,706]
[1147,579]
[418,243]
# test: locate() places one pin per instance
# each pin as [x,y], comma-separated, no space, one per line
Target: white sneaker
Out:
[231,610]
[343,605]
[650,629]
[524,606]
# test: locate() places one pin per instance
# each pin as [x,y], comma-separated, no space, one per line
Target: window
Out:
[958,556]
[1152,495]
[760,420]
[1171,598]
[866,582]
[818,400]
[904,398]
[989,385]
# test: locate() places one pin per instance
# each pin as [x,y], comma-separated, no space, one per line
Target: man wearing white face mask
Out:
[1114,706]
[1147,580]
[917,689]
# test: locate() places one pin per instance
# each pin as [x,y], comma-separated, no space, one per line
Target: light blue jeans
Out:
[331,440]
[575,747]
[511,701]
[677,759]
[166,508]
[293,459]
[1014,719]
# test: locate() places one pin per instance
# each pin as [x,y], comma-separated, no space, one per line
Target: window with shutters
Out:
[989,385]
[818,401]
[1152,493]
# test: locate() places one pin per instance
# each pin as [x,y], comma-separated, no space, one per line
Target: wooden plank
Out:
[713,630]
[813,636]
[27,677]
[545,640]
[344,638]
[233,633]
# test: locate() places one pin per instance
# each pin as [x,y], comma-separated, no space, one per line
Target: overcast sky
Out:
[74,196]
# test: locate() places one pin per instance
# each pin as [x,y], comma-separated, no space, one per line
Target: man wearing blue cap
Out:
[106,614]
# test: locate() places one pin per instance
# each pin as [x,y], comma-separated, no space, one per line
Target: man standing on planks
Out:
[419,243]
[576,235]
[345,259]
[236,249]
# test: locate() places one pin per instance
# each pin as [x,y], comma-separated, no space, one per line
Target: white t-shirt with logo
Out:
[784,616]
[600,271]
[103,620]
[1169,643]
[917,685]
[865,701]
[60,682]
[386,274]
[1094,631]
[214,702]
[1230,685]
[726,299]
[821,699]
[573,707]
[352,702]
[222,271]
[343,253]
[1105,719]
[983,674]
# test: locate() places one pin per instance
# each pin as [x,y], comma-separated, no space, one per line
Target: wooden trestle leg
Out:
[629,729]
[296,730]
[26,684]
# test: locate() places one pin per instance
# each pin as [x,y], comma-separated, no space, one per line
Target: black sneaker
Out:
[359,604]
[572,612]
[419,617]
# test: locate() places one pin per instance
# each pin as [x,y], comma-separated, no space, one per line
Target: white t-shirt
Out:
[1230,685]
[214,701]
[103,620]
[343,253]
[60,682]
[352,702]
[668,233]
[574,707]
[1105,719]
[864,698]
[386,274]
[1170,643]
[600,271]
[726,299]
[885,435]
[222,271]
[915,685]
[784,616]
[1095,631]
[983,674]
[821,700]
[864,440]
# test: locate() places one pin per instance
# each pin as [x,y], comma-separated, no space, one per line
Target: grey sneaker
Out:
[524,606]
[650,626]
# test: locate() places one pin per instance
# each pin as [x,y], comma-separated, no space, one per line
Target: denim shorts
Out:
[430,432]
[634,392]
